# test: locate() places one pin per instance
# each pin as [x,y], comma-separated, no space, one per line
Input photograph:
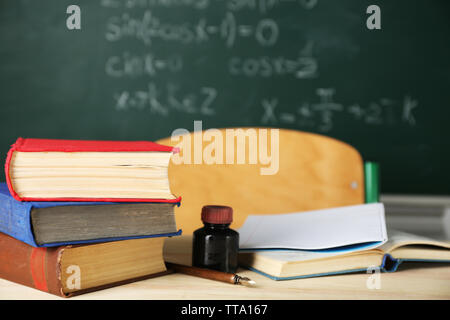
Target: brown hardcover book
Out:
[71,270]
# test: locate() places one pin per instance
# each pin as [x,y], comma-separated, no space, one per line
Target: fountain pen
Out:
[210,274]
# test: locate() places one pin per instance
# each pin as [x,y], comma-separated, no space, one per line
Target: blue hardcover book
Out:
[49,224]
[331,241]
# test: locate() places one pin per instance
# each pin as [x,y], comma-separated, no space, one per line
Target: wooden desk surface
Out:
[411,281]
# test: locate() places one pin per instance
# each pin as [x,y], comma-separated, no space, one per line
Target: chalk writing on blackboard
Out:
[144,22]
[321,114]
[261,6]
[302,66]
[133,65]
[149,27]
[166,99]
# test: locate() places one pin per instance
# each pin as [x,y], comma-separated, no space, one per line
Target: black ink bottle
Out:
[216,246]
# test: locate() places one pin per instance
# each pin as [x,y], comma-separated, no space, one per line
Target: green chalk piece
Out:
[372,181]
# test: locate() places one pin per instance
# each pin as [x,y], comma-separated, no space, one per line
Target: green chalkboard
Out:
[139,69]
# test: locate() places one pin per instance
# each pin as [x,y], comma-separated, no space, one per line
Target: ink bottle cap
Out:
[217,214]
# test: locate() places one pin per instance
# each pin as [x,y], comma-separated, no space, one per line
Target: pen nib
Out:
[246,281]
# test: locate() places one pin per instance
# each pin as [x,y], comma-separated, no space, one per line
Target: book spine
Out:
[15,219]
[33,267]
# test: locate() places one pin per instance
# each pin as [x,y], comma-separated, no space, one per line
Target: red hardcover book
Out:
[87,170]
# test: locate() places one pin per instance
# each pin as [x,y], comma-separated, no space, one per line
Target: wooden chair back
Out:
[315,172]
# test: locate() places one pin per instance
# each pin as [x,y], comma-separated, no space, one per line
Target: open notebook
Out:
[331,241]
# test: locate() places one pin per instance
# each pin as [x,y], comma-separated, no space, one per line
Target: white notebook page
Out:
[315,230]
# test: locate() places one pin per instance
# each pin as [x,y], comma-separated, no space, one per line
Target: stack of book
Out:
[79,216]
